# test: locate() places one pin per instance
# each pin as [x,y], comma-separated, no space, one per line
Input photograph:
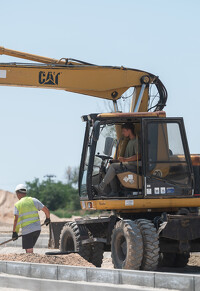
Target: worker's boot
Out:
[101,187]
[106,181]
[102,191]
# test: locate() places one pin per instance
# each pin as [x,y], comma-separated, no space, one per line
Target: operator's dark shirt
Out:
[132,148]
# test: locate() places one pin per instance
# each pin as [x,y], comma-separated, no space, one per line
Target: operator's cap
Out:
[21,188]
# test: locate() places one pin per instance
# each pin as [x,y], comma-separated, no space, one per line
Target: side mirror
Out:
[109,142]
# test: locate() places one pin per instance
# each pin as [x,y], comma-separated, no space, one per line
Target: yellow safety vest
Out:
[28,213]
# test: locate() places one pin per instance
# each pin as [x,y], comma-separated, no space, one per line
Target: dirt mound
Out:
[71,259]
[7,201]
[194,260]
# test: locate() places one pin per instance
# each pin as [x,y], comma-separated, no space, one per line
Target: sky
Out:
[41,131]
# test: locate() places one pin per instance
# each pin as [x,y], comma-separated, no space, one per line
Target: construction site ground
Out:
[15,253]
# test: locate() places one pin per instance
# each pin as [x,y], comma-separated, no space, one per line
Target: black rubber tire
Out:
[70,240]
[181,260]
[126,245]
[150,244]
[96,257]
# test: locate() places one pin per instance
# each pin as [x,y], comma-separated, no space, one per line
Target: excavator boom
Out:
[105,82]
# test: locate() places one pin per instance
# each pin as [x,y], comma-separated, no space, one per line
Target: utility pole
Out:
[49,177]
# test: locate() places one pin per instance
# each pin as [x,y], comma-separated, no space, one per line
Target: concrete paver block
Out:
[71,273]
[174,281]
[103,276]
[17,282]
[137,278]
[45,271]
[18,268]
[197,283]
[3,266]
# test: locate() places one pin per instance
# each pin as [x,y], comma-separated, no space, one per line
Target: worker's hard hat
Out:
[21,188]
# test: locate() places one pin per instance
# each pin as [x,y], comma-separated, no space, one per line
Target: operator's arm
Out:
[130,159]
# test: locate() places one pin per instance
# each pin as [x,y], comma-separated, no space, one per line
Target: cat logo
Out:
[50,78]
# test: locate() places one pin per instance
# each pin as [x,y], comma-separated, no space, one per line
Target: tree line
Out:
[56,195]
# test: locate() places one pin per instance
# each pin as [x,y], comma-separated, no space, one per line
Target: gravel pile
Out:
[194,260]
[70,259]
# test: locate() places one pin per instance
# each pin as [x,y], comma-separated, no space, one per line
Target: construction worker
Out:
[26,216]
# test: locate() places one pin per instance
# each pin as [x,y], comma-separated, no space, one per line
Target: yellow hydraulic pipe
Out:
[31,57]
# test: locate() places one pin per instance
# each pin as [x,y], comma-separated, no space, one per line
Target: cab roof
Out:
[122,116]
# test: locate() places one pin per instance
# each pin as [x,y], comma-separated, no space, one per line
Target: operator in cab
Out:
[128,162]
[26,216]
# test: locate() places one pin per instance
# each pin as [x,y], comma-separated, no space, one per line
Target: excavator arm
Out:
[71,75]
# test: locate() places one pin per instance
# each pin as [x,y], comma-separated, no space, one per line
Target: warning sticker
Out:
[149,191]
[170,190]
[162,190]
[129,202]
[129,179]
[83,204]
[3,74]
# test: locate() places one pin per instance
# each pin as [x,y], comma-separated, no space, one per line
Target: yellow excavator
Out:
[154,215]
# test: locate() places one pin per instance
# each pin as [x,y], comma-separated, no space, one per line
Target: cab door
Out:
[166,158]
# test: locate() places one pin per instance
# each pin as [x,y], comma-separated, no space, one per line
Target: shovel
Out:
[5,242]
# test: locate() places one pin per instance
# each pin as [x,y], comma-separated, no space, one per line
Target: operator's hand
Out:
[122,159]
[14,236]
[47,221]
[114,161]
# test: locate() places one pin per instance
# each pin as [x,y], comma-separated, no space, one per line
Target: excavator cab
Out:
[164,169]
